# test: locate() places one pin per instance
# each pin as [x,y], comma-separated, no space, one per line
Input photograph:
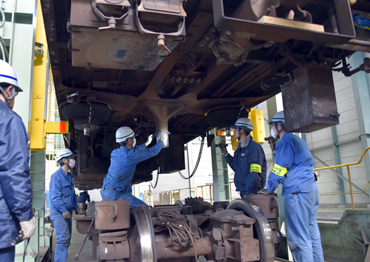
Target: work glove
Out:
[76,211]
[28,228]
[272,142]
[66,215]
[149,140]
[223,149]
[162,134]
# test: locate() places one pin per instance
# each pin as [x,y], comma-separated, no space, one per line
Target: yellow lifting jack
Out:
[38,127]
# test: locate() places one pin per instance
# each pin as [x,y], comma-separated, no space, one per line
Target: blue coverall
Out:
[294,169]
[116,184]
[62,198]
[249,164]
[15,184]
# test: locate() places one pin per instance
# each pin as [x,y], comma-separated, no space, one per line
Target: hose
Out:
[198,161]
[156,182]
[2,17]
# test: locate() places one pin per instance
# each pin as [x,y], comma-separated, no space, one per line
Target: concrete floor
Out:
[76,242]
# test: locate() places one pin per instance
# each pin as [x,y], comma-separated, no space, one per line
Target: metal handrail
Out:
[343,165]
[349,178]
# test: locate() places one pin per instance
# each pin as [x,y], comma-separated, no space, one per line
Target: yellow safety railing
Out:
[349,178]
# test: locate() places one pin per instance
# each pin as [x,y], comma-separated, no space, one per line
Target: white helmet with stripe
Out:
[278,118]
[8,76]
[244,123]
[64,153]
[123,133]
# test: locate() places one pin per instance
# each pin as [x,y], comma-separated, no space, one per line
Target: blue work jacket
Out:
[123,164]
[293,165]
[62,192]
[248,160]
[15,184]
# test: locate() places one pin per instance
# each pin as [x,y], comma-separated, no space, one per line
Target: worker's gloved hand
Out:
[76,211]
[28,228]
[223,149]
[162,134]
[149,140]
[66,215]
[272,142]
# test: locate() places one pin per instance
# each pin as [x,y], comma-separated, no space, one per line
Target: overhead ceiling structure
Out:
[185,66]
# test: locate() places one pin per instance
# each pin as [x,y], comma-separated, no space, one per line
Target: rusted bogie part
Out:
[165,250]
[261,228]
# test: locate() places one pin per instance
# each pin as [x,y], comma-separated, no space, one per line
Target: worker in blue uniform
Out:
[83,197]
[249,161]
[116,184]
[63,201]
[15,185]
[294,169]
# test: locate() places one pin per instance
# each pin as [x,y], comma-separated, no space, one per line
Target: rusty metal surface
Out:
[165,250]
[164,234]
[261,230]
[112,215]
[309,101]
[282,34]
[114,246]
[266,202]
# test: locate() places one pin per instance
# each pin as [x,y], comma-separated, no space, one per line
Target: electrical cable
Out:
[2,17]
[198,161]
[156,182]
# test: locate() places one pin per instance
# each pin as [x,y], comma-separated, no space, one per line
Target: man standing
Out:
[116,184]
[15,185]
[294,169]
[249,161]
[63,201]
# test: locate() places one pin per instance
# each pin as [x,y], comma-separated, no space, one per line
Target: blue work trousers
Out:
[63,231]
[252,184]
[303,233]
[7,254]
[113,195]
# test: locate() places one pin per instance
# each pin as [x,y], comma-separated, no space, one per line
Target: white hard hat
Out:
[123,133]
[8,76]
[65,152]
[244,123]
[278,118]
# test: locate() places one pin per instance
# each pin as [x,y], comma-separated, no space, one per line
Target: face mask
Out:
[72,163]
[134,142]
[272,133]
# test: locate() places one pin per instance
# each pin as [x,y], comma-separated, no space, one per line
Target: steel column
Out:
[361,90]
[342,198]
[221,188]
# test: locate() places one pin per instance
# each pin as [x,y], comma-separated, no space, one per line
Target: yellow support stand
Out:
[258,134]
[38,127]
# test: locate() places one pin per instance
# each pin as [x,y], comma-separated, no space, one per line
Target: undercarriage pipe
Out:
[202,246]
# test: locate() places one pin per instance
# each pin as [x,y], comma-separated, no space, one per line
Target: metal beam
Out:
[221,189]
[338,161]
